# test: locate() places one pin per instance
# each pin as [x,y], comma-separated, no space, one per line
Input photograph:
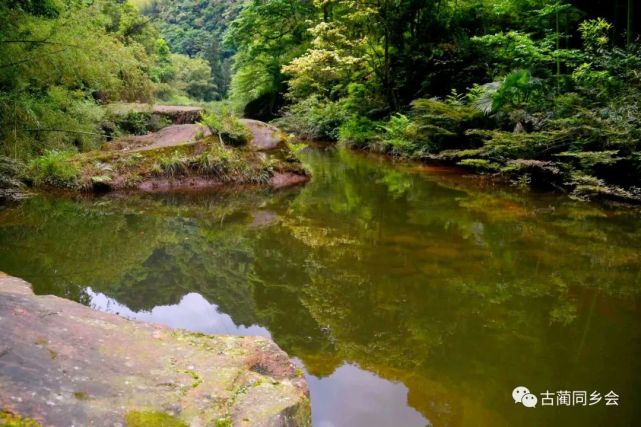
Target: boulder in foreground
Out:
[62,363]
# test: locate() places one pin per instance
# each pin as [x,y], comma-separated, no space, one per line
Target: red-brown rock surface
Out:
[65,364]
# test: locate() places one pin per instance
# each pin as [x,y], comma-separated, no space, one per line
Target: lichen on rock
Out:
[108,370]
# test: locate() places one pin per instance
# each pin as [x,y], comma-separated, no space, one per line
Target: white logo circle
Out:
[518,393]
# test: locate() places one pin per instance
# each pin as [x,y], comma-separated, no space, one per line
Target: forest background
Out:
[546,93]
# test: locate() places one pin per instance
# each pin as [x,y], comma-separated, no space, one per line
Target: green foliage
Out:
[314,118]
[224,422]
[195,30]
[223,123]
[399,136]
[58,65]
[358,131]
[53,168]
[135,123]
[495,85]
[516,99]
[594,33]
[266,35]
[513,50]
[442,124]
[222,163]
[174,165]
[226,164]
[479,165]
[191,77]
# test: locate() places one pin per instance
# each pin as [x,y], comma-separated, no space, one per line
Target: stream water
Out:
[410,295]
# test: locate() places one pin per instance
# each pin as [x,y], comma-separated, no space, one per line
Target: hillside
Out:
[196,28]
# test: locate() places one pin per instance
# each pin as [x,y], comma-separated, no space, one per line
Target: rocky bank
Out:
[64,364]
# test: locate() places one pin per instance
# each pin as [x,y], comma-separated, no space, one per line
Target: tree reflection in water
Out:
[424,293]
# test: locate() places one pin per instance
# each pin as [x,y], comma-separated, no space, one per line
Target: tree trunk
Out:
[629,26]
[558,46]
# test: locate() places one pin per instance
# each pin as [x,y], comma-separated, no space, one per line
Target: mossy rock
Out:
[152,419]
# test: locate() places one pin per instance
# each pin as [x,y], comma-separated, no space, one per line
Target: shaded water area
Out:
[410,295]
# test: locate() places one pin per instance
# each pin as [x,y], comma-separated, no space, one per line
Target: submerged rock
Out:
[62,363]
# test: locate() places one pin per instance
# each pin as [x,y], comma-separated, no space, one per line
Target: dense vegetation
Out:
[196,29]
[62,60]
[545,92]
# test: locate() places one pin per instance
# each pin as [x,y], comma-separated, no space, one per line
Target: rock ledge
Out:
[62,363]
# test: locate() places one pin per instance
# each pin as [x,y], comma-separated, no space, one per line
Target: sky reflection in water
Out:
[346,397]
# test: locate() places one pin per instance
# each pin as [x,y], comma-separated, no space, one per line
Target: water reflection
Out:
[344,398]
[193,312]
[350,396]
[445,291]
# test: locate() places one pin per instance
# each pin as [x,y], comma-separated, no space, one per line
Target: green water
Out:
[410,295]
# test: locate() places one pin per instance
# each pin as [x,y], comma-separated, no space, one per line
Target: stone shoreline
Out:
[64,364]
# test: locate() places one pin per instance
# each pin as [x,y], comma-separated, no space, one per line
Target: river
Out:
[410,295]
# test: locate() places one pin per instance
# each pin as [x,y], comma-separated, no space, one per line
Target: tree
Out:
[58,61]
[266,35]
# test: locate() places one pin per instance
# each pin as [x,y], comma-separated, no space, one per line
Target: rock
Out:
[176,114]
[101,183]
[179,115]
[265,137]
[171,136]
[287,179]
[62,363]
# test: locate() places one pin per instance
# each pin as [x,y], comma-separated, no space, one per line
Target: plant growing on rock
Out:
[226,126]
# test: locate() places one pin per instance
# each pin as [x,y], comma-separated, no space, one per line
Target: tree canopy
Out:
[542,91]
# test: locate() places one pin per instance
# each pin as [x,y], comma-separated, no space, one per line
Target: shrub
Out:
[140,123]
[314,118]
[134,123]
[174,165]
[442,124]
[399,136]
[54,168]
[223,123]
[358,131]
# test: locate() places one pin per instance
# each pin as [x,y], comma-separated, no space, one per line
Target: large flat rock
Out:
[171,136]
[65,364]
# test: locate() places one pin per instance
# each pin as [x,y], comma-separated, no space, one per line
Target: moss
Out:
[224,422]
[9,419]
[197,380]
[152,419]
[114,170]
[80,395]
